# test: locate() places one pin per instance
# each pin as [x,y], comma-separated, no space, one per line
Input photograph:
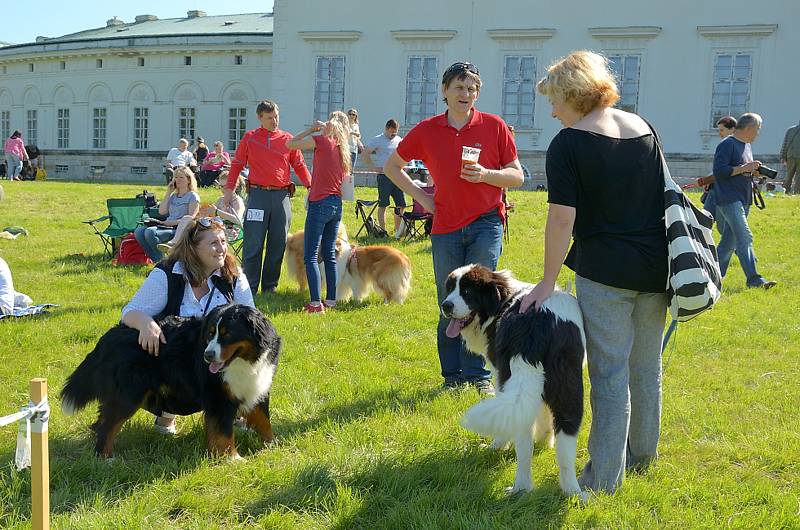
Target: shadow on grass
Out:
[352,410]
[83,263]
[78,478]
[442,489]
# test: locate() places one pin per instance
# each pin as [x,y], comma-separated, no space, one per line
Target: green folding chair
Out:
[124,215]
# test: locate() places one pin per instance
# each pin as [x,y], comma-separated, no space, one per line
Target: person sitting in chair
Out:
[181,199]
[179,157]
[213,164]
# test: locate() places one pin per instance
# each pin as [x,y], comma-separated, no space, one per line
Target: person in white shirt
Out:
[9,298]
[382,147]
[177,157]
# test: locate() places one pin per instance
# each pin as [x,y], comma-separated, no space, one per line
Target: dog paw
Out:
[519,488]
[235,457]
[497,445]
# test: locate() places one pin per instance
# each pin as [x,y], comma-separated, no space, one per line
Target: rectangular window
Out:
[730,93]
[140,61]
[187,60]
[62,127]
[99,128]
[5,124]
[626,70]
[186,117]
[33,126]
[30,67]
[422,89]
[237,123]
[328,86]
[98,63]
[62,168]
[138,170]
[63,65]
[519,81]
[140,122]
[237,59]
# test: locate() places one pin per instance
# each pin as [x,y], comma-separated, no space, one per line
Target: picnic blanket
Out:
[29,311]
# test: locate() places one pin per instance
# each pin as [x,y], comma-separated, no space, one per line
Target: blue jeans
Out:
[736,236]
[322,226]
[150,236]
[479,242]
[13,166]
[710,202]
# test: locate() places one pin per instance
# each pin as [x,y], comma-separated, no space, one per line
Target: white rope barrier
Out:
[31,418]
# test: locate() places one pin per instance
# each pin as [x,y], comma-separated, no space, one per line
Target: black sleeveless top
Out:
[176,285]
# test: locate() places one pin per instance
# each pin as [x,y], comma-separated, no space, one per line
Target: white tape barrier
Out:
[32,418]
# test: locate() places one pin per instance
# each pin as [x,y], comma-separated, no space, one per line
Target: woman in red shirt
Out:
[331,165]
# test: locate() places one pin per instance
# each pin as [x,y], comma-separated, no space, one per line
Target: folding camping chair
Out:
[419,220]
[123,217]
[368,222]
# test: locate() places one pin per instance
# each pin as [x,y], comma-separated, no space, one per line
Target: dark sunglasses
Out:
[208,222]
[462,67]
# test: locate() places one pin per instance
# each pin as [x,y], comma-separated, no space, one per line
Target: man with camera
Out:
[734,168]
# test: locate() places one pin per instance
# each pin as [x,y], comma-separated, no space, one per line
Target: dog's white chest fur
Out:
[249,382]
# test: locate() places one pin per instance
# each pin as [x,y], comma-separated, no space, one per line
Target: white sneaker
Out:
[401,230]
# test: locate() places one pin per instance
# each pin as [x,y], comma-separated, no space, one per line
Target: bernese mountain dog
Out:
[536,358]
[222,365]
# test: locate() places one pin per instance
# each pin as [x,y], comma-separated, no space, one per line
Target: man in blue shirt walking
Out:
[733,169]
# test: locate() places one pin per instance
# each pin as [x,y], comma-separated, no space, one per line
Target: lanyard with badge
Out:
[210,296]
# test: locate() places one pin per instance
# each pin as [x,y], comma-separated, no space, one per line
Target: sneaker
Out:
[401,229]
[167,430]
[484,387]
[314,308]
[329,304]
[452,384]
[768,285]
[165,248]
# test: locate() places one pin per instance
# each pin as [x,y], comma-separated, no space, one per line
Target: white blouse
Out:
[151,298]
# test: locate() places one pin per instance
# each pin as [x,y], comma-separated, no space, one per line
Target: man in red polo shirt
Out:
[269,212]
[467,204]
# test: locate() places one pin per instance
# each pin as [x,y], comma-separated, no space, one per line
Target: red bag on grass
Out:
[130,252]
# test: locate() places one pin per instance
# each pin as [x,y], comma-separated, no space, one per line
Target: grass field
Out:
[367,438]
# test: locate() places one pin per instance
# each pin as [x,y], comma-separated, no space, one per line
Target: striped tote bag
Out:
[694,282]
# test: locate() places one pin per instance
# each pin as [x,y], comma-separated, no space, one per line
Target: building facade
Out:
[681,64]
[120,96]
[115,99]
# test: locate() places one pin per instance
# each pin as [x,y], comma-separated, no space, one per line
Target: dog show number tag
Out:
[255,215]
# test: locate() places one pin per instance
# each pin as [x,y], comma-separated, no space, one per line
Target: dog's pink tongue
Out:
[454,328]
[215,367]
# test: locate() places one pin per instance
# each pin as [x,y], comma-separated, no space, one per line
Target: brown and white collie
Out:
[295,247]
[376,267]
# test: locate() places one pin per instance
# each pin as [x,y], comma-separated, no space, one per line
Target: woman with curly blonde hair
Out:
[331,167]
[606,193]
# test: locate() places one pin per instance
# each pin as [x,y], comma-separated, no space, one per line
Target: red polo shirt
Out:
[438,145]
[269,160]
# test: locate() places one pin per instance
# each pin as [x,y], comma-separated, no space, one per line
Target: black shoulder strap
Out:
[175,287]
[224,287]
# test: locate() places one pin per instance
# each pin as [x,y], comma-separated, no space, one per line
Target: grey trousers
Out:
[623,333]
[792,181]
[272,225]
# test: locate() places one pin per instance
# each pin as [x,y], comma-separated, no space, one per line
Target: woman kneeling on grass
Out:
[605,180]
[331,165]
[199,275]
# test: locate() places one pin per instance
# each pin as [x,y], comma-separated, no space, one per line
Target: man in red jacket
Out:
[269,213]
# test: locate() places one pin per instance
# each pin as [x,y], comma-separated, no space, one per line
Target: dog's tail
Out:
[79,390]
[515,408]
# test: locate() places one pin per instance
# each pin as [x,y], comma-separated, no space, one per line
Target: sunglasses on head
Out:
[462,67]
[207,222]
[352,114]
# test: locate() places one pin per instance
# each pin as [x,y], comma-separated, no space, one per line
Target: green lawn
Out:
[367,439]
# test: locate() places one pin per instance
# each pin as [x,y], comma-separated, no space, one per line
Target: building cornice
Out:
[341,36]
[745,30]
[423,34]
[638,32]
[521,33]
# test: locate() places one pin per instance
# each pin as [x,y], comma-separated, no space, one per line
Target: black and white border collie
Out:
[537,361]
[222,365]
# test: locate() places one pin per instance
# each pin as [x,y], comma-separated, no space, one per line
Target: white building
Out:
[119,97]
[681,64]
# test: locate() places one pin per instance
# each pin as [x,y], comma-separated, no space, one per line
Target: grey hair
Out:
[183,141]
[748,119]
